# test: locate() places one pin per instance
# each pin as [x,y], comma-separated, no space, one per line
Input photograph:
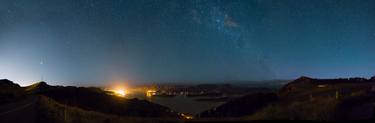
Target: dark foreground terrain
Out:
[306,99]
[42,103]
[302,99]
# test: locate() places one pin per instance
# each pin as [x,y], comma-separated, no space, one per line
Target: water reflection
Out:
[178,103]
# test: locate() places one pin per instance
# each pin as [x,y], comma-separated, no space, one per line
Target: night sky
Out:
[90,42]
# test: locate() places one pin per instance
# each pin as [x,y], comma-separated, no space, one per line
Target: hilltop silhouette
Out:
[305,98]
[95,99]
[10,91]
[50,104]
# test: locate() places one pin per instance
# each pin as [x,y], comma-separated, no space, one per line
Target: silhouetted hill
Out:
[5,83]
[306,84]
[306,99]
[372,79]
[302,99]
[95,99]
[323,99]
[300,83]
[242,106]
[9,91]
[38,87]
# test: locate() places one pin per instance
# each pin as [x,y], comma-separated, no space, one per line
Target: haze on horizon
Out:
[87,42]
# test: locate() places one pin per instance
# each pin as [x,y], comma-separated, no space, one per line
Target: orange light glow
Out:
[120,92]
[150,93]
[187,117]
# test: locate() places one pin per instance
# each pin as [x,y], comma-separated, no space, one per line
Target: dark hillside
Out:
[10,91]
[242,106]
[323,99]
[96,99]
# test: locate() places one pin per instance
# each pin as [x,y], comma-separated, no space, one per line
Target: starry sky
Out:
[91,42]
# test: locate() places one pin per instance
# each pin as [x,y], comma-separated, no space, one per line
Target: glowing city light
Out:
[120,92]
[150,93]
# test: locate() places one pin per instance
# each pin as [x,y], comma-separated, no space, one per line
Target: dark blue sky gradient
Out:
[89,42]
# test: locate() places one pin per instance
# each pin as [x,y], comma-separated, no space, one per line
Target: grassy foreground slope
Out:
[51,111]
[305,99]
[323,99]
[43,103]
[95,99]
